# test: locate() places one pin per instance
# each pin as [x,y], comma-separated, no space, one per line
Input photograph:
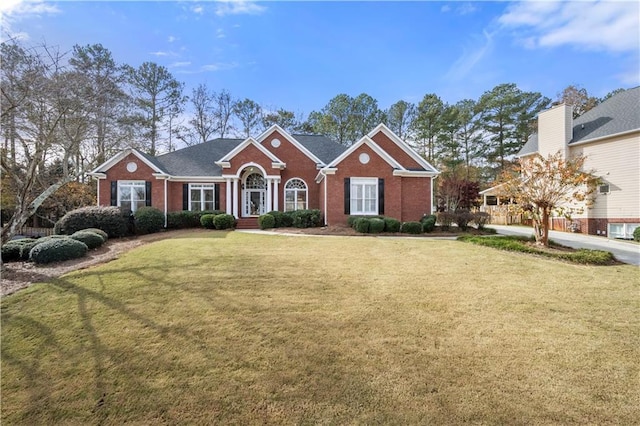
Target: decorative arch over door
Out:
[254,194]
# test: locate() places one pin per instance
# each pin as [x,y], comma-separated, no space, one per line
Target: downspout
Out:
[98,191]
[432,194]
[165,203]
[325,198]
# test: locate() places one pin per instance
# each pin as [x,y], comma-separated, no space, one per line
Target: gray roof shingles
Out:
[620,113]
[199,160]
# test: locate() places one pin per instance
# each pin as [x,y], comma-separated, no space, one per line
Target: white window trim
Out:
[627,230]
[202,187]
[295,193]
[363,181]
[132,184]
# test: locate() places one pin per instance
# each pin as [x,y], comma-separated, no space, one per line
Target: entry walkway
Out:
[624,251]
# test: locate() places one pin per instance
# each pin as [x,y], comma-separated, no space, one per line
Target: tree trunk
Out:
[545,227]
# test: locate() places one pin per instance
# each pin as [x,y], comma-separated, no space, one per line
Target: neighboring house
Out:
[609,137]
[378,175]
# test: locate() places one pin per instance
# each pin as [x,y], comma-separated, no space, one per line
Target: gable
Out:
[252,150]
[275,132]
[400,150]
[122,156]
[356,149]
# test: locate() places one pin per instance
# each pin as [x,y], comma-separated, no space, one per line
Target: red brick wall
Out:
[591,226]
[119,172]
[298,166]
[250,154]
[403,201]
[395,151]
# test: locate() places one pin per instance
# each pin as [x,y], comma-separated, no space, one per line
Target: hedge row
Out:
[520,244]
[53,248]
[298,218]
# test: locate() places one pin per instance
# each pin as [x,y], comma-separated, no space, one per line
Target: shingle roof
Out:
[198,160]
[619,113]
[321,146]
[531,147]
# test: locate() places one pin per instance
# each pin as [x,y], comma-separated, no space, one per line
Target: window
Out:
[603,189]
[131,194]
[295,195]
[364,196]
[622,230]
[202,196]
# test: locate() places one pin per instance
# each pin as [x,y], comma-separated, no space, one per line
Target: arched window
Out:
[255,181]
[295,195]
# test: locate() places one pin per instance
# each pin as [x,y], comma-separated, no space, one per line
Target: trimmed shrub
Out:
[57,250]
[362,225]
[481,219]
[15,250]
[267,221]
[636,234]
[411,228]
[278,217]
[589,257]
[100,232]
[188,219]
[428,224]
[149,220]
[91,239]
[445,219]
[462,219]
[428,217]
[108,219]
[376,225]
[206,220]
[224,221]
[306,218]
[287,219]
[391,224]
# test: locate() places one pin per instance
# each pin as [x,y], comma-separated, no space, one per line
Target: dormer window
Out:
[604,189]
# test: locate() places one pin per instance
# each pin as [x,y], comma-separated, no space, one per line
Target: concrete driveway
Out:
[624,251]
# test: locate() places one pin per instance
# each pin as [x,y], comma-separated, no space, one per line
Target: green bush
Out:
[15,250]
[100,232]
[267,221]
[445,219]
[149,220]
[91,239]
[187,219]
[391,224]
[224,221]
[278,216]
[428,217]
[481,219]
[462,219]
[362,225]
[306,218]
[428,224]
[376,225]
[636,234]
[287,219]
[57,250]
[520,244]
[206,220]
[411,228]
[109,219]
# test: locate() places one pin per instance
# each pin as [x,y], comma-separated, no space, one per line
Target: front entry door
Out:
[254,202]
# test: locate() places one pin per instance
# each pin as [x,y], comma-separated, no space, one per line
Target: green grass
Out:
[217,328]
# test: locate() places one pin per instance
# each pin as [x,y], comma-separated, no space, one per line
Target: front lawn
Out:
[217,328]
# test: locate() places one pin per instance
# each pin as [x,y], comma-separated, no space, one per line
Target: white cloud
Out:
[198,9]
[238,7]
[220,66]
[460,9]
[163,53]
[12,11]
[171,39]
[220,33]
[598,25]
[180,64]
[445,8]
[471,57]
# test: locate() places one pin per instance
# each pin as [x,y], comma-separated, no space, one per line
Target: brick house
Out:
[378,175]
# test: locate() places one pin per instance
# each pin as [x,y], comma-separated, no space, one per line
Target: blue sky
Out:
[298,55]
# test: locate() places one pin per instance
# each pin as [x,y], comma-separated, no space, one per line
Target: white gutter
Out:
[615,135]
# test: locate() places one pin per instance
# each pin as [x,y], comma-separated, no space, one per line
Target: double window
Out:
[202,196]
[295,195]
[364,196]
[131,194]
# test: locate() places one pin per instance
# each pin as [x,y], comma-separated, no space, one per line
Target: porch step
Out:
[247,223]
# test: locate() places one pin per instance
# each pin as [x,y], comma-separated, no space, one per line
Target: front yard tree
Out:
[283,118]
[156,94]
[400,116]
[543,186]
[428,124]
[250,114]
[44,119]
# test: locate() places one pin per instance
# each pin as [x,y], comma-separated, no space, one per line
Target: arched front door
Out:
[254,195]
